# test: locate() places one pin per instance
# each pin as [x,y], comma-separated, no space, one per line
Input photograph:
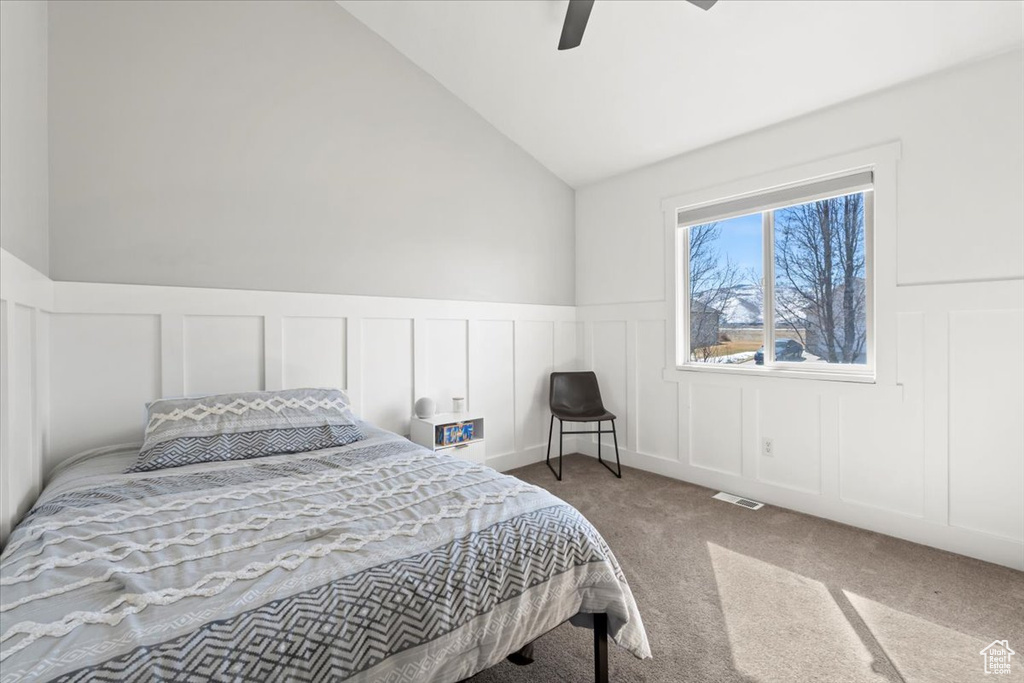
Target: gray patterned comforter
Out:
[374,561]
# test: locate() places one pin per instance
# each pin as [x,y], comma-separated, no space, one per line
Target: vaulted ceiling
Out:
[653,79]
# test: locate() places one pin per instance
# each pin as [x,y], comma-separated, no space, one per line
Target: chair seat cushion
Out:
[565,416]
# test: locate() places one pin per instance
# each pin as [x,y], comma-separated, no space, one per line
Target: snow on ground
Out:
[732,358]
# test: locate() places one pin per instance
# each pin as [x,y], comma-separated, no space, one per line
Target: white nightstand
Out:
[426,431]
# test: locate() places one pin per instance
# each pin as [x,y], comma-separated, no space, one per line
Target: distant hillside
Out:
[743,306]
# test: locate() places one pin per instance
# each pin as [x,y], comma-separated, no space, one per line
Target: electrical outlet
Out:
[768,448]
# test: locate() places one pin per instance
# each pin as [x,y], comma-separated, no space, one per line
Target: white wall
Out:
[82,359]
[284,146]
[24,206]
[935,452]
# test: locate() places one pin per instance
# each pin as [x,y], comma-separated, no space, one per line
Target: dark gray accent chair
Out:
[576,397]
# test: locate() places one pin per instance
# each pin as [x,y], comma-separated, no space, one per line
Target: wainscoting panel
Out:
[446,363]
[986,366]
[13,468]
[657,400]
[881,446]
[23,482]
[223,353]
[534,361]
[104,369]
[608,350]
[880,464]
[792,420]
[313,352]
[568,348]
[492,389]
[387,373]
[716,424]
[25,296]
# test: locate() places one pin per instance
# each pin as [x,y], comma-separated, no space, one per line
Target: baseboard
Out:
[511,461]
[995,549]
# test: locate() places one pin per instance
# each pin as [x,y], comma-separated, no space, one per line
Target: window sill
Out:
[775,371]
[830,382]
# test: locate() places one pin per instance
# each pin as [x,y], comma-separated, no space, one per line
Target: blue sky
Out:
[741,240]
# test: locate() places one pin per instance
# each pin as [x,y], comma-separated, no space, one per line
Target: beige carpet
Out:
[729,594]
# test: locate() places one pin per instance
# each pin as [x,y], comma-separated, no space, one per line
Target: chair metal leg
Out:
[547,455]
[547,458]
[599,442]
[618,463]
[561,434]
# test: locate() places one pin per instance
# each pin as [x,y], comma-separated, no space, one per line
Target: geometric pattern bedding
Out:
[378,560]
[188,431]
[186,450]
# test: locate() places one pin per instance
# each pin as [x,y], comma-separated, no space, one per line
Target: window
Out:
[726,297]
[779,281]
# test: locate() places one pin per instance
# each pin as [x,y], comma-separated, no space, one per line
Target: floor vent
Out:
[736,500]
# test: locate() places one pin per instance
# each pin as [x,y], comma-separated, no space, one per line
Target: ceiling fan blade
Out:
[703,4]
[575,23]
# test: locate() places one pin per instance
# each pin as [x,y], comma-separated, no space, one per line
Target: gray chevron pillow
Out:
[186,431]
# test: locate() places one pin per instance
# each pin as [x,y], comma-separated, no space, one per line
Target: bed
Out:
[374,561]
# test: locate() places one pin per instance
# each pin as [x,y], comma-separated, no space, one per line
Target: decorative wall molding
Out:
[913,459]
[115,347]
[78,361]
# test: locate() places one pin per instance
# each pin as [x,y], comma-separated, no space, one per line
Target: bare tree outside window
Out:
[820,293]
[713,280]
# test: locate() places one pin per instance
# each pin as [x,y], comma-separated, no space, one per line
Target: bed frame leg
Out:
[601,648]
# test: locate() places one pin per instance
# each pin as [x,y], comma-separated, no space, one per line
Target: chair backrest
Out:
[575,392]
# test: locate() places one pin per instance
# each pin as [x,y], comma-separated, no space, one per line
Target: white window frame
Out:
[880,252]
